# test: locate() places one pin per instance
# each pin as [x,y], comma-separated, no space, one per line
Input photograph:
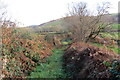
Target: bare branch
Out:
[82,25]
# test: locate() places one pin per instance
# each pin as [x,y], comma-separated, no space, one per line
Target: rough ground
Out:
[86,61]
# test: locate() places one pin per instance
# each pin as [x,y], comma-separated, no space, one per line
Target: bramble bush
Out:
[21,53]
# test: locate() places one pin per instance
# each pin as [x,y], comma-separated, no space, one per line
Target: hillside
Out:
[58,23]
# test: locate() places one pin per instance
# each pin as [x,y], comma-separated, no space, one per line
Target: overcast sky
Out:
[35,12]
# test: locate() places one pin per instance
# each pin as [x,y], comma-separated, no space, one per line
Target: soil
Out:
[82,60]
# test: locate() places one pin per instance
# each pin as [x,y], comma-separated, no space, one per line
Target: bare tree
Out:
[2,11]
[4,20]
[82,25]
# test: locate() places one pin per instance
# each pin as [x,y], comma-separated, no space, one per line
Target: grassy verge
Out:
[115,49]
[112,35]
[51,69]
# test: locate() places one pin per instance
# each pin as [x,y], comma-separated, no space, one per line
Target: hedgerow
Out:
[21,53]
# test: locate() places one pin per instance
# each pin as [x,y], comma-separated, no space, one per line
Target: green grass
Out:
[98,45]
[116,26]
[116,50]
[52,68]
[54,23]
[112,35]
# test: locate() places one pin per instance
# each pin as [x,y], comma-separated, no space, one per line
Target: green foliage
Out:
[51,69]
[106,63]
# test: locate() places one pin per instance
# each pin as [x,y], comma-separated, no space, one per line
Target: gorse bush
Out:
[21,53]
